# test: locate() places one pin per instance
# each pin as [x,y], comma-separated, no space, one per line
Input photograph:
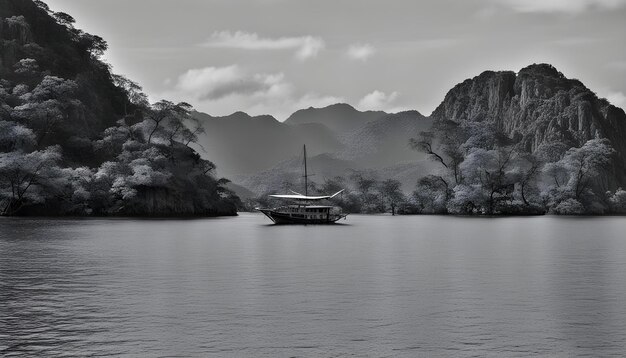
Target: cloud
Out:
[361,52]
[224,90]
[305,46]
[563,6]
[211,83]
[377,100]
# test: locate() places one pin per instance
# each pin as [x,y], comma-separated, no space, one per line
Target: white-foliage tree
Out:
[24,177]
[617,201]
[47,106]
[570,179]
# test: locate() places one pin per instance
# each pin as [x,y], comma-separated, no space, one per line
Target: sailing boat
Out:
[303,209]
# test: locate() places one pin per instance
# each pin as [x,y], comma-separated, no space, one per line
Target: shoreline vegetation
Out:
[503,143]
[77,140]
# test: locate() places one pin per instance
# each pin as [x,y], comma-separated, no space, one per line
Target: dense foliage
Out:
[482,171]
[77,140]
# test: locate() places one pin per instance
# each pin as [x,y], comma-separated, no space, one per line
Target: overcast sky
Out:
[275,56]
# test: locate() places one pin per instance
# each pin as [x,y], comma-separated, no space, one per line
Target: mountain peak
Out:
[341,106]
[240,115]
[339,117]
[543,69]
[536,106]
[409,112]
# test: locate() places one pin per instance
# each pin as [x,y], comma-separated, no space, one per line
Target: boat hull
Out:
[286,219]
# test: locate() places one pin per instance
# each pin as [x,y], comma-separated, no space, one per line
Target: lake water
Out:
[376,286]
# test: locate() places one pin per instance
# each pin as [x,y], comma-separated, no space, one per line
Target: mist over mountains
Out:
[258,152]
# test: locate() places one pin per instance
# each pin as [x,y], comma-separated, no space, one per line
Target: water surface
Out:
[377,286]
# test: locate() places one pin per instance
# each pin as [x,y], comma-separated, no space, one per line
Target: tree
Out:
[93,44]
[391,192]
[47,105]
[432,194]
[114,138]
[42,5]
[586,163]
[189,136]
[425,144]
[492,170]
[556,173]
[133,92]
[365,185]
[450,137]
[23,177]
[167,113]
[64,19]
[176,128]
[468,199]
[529,168]
[27,67]
[618,201]
[14,136]
[575,175]
[569,207]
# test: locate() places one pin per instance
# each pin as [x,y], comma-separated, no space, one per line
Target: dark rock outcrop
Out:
[536,106]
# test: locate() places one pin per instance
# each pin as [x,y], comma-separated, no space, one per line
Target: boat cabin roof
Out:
[298,196]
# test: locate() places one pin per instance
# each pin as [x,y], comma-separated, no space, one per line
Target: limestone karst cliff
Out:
[536,106]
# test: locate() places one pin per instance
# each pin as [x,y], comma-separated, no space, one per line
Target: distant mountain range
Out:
[258,152]
[339,118]
[535,106]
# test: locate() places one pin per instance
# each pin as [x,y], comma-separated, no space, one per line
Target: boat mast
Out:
[306,184]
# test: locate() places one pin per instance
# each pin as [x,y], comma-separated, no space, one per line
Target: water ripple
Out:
[381,287]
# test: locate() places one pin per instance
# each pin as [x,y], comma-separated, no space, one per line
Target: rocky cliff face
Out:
[536,106]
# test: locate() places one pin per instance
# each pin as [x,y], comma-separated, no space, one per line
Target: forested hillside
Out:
[524,143]
[76,139]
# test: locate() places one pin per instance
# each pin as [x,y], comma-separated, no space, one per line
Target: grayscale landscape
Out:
[277,178]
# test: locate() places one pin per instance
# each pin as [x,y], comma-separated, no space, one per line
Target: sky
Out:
[277,56]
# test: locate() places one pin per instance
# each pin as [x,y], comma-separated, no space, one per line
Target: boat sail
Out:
[303,209]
